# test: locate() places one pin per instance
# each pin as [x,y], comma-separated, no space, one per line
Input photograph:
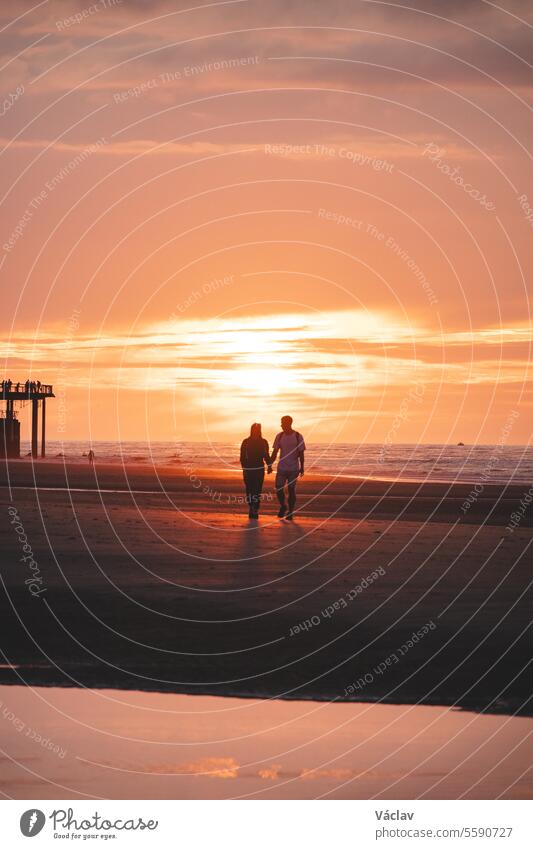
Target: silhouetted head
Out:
[255,431]
[286,423]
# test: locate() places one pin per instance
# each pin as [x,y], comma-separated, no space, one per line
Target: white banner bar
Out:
[264,824]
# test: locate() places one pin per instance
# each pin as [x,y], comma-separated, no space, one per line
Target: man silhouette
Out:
[291,446]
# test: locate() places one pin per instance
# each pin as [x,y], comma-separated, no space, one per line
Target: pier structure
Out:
[16,396]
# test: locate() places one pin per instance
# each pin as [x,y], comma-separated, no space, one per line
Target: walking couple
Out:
[290,446]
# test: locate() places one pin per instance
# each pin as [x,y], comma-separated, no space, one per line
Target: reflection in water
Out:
[70,743]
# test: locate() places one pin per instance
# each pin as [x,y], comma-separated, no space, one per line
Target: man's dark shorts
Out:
[286,477]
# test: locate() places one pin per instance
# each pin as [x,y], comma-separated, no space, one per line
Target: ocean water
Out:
[488,463]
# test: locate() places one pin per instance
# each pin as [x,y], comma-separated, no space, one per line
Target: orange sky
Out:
[223,214]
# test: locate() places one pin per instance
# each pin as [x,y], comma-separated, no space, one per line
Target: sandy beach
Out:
[152,579]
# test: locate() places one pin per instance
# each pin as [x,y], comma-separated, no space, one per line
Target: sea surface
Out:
[475,463]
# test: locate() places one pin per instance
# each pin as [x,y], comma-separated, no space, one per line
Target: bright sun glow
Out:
[289,357]
[259,381]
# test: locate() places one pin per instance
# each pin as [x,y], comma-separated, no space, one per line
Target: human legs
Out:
[291,485]
[247,483]
[256,490]
[290,479]
[280,492]
[292,496]
[253,479]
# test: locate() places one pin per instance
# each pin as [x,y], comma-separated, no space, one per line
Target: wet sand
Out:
[79,744]
[151,579]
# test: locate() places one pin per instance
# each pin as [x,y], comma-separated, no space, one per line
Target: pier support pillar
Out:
[34,421]
[43,429]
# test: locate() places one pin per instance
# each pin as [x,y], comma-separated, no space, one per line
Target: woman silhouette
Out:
[254,455]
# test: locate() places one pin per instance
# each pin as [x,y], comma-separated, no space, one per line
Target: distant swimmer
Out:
[90,457]
[291,447]
[254,456]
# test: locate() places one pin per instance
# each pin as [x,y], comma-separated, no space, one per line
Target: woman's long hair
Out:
[255,431]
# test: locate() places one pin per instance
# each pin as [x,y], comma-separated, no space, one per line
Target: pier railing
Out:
[10,391]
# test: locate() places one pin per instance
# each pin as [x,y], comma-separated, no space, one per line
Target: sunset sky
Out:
[221,213]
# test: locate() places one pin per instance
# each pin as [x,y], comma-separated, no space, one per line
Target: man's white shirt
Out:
[290,446]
